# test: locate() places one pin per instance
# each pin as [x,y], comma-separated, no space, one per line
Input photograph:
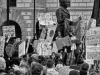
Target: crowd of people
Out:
[33,64]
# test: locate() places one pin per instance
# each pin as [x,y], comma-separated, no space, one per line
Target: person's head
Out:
[50,63]
[59,66]
[73,72]
[25,57]
[59,33]
[64,3]
[18,39]
[85,66]
[36,69]
[93,73]
[2,63]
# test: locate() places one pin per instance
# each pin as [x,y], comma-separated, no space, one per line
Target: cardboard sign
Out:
[21,49]
[66,41]
[93,52]
[2,44]
[9,31]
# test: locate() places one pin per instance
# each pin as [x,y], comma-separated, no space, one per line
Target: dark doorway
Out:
[18,32]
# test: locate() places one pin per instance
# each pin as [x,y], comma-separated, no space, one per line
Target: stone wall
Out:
[23,13]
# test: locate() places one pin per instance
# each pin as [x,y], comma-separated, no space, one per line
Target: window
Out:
[12,3]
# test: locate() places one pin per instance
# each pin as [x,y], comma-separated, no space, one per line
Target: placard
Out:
[51,32]
[92,23]
[44,48]
[21,49]
[93,31]
[93,52]
[46,19]
[92,40]
[9,31]
[2,44]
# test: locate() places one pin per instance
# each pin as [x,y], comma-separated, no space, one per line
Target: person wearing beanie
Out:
[84,69]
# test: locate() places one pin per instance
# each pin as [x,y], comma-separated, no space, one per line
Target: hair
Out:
[36,68]
[50,63]
[2,63]
[85,66]
[93,73]
[73,72]
[62,3]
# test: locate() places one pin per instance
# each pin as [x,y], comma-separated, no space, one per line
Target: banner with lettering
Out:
[2,44]
[9,31]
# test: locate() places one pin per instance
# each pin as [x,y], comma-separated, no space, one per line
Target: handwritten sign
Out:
[21,49]
[46,19]
[51,32]
[94,39]
[2,43]
[93,36]
[93,52]
[44,48]
[9,30]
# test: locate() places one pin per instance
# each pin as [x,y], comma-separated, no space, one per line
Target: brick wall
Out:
[25,8]
[78,7]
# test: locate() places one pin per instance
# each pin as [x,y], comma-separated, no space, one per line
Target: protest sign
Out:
[9,30]
[44,48]
[92,40]
[93,52]
[66,41]
[46,19]
[93,36]
[43,33]
[93,31]
[21,49]
[51,32]
[2,44]
[92,23]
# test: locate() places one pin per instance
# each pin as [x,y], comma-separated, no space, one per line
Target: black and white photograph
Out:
[49,37]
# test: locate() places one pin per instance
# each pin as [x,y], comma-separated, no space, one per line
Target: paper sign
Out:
[50,33]
[92,23]
[9,31]
[46,19]
[93,52]
[43,33]
[21,49]
[93,31]
[2,44]
[44,48]
[92,40]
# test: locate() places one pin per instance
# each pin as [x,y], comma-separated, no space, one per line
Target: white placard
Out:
[9,31]
[93,52]
[2,44]
[21,49]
